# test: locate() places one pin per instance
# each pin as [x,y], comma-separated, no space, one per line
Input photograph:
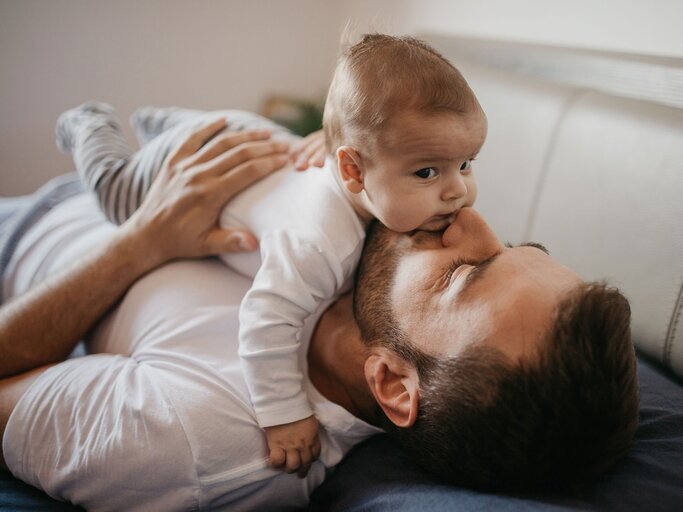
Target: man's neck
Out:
[336,356]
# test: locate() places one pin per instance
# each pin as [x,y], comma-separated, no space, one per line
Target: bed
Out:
[585,154]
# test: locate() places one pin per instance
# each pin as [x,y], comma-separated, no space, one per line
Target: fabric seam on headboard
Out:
[540,183]
[673,325]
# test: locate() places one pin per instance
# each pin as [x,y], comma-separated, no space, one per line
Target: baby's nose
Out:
[455,188]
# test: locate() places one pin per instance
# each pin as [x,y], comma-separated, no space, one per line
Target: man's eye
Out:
[466,165]
[426,173]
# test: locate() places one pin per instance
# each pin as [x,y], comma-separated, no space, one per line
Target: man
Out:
[487,363]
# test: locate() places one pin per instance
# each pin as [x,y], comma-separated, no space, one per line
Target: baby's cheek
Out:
[402,217]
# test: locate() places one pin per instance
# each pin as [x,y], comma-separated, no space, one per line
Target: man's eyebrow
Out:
[529,244]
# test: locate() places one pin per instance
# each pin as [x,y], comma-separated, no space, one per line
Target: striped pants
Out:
[109,167]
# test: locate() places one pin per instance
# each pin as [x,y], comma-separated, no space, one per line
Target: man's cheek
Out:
[408,283]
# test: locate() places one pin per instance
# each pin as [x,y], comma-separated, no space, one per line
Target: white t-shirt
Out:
[159,417]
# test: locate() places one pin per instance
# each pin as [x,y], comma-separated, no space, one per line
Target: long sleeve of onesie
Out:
[298,273]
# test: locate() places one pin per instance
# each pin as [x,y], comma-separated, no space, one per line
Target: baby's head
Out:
[404,127]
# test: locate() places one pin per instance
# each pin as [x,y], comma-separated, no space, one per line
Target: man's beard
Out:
[372,304]
[372,291]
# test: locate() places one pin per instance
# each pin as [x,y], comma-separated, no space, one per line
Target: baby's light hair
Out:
[382,75]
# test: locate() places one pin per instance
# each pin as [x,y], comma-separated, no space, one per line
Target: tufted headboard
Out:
[585,155]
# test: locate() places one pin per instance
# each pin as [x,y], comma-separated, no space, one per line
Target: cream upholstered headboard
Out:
[585,154]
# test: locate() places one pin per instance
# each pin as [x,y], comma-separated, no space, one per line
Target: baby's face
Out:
[422,173]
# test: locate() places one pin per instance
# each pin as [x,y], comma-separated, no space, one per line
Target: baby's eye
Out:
[466,165]
[426,173]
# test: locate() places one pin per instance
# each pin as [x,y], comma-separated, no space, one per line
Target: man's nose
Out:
[454,187]
[470,231]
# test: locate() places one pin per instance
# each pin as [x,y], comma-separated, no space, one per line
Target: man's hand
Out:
[177,219]
[179,215]
[309,151]
[294,446]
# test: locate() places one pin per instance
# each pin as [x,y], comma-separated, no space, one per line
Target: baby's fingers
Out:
[315,449]
[306,461]
[278,458]
[318,158]
[293,463]
[309,151]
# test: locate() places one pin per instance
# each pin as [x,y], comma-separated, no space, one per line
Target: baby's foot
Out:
[70,121]
[148,122]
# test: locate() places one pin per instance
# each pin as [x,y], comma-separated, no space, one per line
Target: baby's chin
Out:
[434,223]
[437,224]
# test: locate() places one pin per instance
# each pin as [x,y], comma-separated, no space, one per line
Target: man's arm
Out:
[177,220]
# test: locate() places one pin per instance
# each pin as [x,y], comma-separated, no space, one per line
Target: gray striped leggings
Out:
[109,167]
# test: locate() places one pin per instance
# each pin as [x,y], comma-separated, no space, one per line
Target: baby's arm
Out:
[295,277]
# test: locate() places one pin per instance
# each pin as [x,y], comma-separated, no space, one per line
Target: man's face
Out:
[464,286]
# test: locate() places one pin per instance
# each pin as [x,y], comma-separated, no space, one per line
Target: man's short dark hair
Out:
[556,420]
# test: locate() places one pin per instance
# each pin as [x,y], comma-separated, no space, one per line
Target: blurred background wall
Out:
[236,53]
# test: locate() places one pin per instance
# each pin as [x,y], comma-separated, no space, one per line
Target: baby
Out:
[402,128]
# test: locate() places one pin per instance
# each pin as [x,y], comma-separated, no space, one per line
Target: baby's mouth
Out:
[448,217]
[437,223]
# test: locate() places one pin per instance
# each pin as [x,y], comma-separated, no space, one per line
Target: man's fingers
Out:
[278,457]
[195,140]
[249,172]
[223,143]
[244,153]
[293,461]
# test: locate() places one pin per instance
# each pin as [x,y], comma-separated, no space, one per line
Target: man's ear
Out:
[394,384]
[350,169]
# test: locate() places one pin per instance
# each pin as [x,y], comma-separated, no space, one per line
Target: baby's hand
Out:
[309,151]
[294,446]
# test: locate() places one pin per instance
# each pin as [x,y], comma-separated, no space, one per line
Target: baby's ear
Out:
[350,169]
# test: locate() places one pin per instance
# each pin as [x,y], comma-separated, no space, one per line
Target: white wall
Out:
[56,54]
[651,27]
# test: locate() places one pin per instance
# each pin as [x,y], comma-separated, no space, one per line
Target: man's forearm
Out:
[43,325]
[178,219]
